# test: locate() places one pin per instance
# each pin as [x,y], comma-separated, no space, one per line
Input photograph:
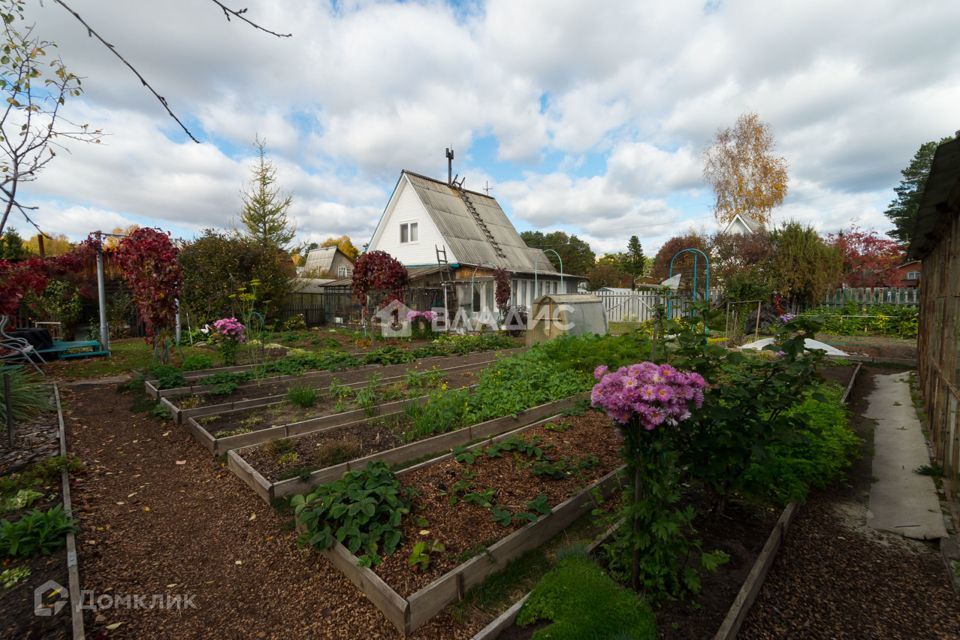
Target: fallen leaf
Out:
[115,625]
[181,462]
[253,516]
[146,508]
[238,562]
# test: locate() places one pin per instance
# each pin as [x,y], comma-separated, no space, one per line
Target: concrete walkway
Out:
[901,501]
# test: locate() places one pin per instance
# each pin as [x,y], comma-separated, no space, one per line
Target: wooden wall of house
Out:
[938,349]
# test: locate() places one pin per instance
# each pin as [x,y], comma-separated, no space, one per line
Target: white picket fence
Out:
[872,296]
[638,306]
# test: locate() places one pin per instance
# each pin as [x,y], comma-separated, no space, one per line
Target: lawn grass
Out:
[126,355]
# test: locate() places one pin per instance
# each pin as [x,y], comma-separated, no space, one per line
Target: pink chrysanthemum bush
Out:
[229,333]
[649,404]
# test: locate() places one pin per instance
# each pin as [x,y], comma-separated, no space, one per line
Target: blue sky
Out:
[588,121]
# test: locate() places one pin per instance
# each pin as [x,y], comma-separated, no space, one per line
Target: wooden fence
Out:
[639,306]
[938,350]
[873,296]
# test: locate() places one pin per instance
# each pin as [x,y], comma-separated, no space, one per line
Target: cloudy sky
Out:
[587,120]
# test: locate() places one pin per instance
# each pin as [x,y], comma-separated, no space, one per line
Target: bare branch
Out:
[238,13]
[113,50]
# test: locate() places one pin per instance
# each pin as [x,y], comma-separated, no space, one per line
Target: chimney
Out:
[449,165]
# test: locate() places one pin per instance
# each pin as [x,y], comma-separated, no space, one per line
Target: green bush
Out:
[295,323]
[197,361]
[582,601]
[168,376]
[304,397]
[29,396]
[36,533]
[811,456]
[362,510]
[879,320]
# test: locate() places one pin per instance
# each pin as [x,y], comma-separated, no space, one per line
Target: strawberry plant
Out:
[36,533]
[363,510]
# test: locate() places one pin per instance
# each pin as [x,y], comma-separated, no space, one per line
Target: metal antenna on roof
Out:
[486,187]
[450,165]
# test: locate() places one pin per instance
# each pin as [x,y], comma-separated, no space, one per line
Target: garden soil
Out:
[159,515]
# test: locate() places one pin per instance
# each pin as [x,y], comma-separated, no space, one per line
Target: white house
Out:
[742,224]
[327,262]
[444,233]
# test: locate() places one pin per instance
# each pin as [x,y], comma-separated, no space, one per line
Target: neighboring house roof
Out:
[908,263]
[742,223]
[321,260]
[467,234]
[412,272]
[940,200]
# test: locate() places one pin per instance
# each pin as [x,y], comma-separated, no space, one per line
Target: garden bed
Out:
[208,400]
[475,545]
[320,456]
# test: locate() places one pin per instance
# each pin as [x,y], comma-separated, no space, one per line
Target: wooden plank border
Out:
[488,431]
[73,565]
[425,603]
[179,415]
[153,391]
[853,380]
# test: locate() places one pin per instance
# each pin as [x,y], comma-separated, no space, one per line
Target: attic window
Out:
[408,232]
[342,272]
[913,275]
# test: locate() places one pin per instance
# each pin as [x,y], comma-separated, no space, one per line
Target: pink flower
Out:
[600,371]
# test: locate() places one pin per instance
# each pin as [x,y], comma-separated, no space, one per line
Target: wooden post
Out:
[8,406]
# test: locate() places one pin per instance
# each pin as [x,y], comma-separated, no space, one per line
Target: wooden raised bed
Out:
[352,378]
[506,425]
[322,375]
[410,613]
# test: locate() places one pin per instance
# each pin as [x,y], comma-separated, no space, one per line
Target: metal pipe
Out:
[102,296]
[536,263]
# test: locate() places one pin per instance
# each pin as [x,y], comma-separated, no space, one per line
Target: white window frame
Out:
[342,272]
[412,230]
[913,275]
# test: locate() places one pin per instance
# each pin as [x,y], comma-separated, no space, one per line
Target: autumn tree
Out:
[902,211]
[606,274]
[869,259]
[576,254]
[744,171]
[740,265]
[803,267]
[34,87]
[264,213]
[53,245]
[344,244]
[684,264]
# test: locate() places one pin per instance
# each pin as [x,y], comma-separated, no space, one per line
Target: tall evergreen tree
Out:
[11,246]
[903,209]
[635,262]
[264,212]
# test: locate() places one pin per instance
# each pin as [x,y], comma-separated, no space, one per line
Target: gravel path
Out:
[159,515]
[837,578]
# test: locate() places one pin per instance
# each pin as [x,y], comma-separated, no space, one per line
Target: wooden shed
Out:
[936,242]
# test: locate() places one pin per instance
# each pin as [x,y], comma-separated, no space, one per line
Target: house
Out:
[452,238]
[908,274]
[329,262]
[742,224]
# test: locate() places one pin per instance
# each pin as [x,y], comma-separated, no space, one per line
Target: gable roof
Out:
[321,260]
[475,228]
[751,225]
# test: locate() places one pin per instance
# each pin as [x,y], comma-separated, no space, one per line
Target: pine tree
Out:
[635,261]
[264,211]
[903,209]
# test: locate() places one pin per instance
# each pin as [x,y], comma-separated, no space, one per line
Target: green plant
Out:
[581,601]
[196,362]
[9,578]
[419,558]
[161,411]
[303,397]
[227,377]
[239,431]
[295,323]
[223,389]
[42,474]
[539,505]
[502,516]
[932,470]
[483,498]
[168,376]
[363,510]
[21,499]
[291,457]
[281,446]
[36,533]
[29,397]
[558,427]
[463,455]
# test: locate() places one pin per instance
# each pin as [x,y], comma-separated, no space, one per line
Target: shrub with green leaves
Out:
[581,601]
[811,455]
[36,533]
[168,376]
[852,319]
[196,362]
[304,397]
[363,510]
[29,396]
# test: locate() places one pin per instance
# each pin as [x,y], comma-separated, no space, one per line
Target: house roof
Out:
[940,200]
[747,221]
[321,260]
[467,234]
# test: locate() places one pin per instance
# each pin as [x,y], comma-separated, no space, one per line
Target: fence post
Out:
[8,407]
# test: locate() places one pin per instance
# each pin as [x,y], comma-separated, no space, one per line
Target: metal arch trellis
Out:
[697,253]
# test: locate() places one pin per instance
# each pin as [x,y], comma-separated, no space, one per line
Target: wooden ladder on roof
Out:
[446,284]
[497,249]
